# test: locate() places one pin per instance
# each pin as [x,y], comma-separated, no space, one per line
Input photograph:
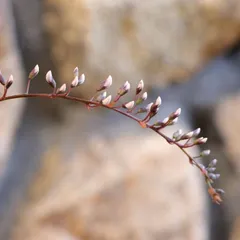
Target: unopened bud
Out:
[205,153]
[107,100]
[155,107]
[165,120]
[50,80]
[149,106]
[142,98]
[126,86]
[219,190]
[2,80]
[187,135]
[62,89]
[129,105]
[214,176]
[196,132]
[174,121]
[177,134]
[9,82]
[105,84]
[34,72]
[158,101]
[76,72]
[211,169]
[74,82]
[200,140]
[140,87]
[175,114]
[124,89]
[101,96]
[81,80]
[213,163]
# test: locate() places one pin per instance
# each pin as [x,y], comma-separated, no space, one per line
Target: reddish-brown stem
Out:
[125,113]
[28,85]
[4,94]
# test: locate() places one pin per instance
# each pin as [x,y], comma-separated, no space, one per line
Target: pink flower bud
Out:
[50,80]
[105,84]
[140,87]
[2,80]
[9,82]
[101,96]
[76,72]
[107,100]
[62,89]
[129,105]
[34,72]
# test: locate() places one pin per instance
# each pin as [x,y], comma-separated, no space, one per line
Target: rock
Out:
[103,178]
[161,41]
[235,234]
[220,122]
[227,122]
[10,63]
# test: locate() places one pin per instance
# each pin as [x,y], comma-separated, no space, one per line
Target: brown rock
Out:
[159,41]
[228,123]
[10,63]
[235,232]
[95,185]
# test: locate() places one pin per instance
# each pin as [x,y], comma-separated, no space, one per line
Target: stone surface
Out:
[235,233]
[107,179]
[159,41]
[10,63]
[227,122]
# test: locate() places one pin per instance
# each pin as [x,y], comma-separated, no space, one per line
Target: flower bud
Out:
[158,101]
[187,135]
[149,106]
[76,72]
[142,98]
[196,132]
[213,163]
[9,82]
[62,89]
[81,80]
[211,169]
[219,190]
[155,107]
[174,121]
[34,72]
[101,96]
[205,153]
[105,84]
[165,120]
[74,82]
[175,114]
[124,89]
[107,100]
[50,80]
[129,105]
[2,81]
[140,87]
[177,135]
[200,140]
[214,176]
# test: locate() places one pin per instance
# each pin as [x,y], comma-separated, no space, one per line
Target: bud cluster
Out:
[129,109]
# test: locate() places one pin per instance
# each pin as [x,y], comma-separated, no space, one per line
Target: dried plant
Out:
[131,110]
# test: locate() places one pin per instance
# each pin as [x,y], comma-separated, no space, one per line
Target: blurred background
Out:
[70,174]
